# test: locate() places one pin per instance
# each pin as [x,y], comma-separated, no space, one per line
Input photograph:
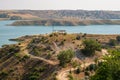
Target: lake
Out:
[8,32]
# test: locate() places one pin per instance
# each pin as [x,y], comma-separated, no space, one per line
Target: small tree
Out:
[90,46]
[65,57]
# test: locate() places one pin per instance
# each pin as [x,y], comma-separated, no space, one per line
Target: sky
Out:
[60,4]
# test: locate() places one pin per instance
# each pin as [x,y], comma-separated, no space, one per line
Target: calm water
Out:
[8,32]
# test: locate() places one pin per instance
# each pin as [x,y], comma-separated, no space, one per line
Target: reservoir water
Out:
[8,32]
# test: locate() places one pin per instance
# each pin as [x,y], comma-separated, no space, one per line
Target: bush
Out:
[36,73]
[78,70]
[40,69]
[75,64]
[3,74]
[49,55]
[62,42]
[112,42]
[87,73]
[70,77]
[78,37]
[34,76]
[65,57]
[91,67]
[90,46]
[118,38]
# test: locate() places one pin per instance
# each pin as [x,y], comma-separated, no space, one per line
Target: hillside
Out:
[59,14]
[35,57]
[51,22]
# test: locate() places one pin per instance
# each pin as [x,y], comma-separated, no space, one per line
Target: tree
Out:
[90,46]
[110,69]
[65,57]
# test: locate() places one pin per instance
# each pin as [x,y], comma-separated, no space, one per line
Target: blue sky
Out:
[61,4]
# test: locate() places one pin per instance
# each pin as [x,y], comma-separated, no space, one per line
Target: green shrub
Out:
[112,42]
[39,69]
[91,67]
[75,64]
[17,55]
[90,46]
[65,57]
[3,74]
[78,70]
[87,73]
[118,38]
[34,76]
[78,37]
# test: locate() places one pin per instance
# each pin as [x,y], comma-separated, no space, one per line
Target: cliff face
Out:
[65,22]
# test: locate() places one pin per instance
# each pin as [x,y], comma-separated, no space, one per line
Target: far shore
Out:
[54,22]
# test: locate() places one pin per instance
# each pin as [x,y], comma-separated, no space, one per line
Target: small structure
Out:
[59,31]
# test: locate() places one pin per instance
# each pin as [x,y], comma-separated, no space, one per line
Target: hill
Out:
[35,57]
[59,14]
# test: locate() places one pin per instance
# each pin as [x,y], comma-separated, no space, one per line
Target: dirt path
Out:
[56,48]
[43,59]
[64,73]
[104,52]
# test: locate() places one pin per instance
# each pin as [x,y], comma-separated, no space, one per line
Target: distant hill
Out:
[60,14]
